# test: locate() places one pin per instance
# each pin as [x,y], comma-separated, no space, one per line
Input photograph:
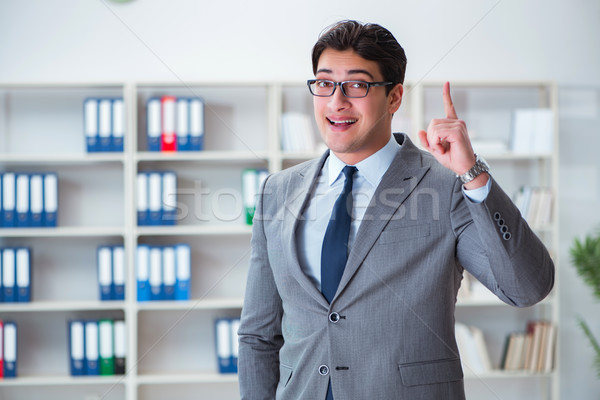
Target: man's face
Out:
[354,128]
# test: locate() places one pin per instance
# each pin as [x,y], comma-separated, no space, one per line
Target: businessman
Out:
[357,256]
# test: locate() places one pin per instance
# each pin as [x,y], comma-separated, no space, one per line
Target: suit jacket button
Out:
[323,370]
[334,317]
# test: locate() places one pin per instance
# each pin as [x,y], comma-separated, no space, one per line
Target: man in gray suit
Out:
[382,325]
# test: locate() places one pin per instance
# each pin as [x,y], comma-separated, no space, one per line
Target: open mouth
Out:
[344,122]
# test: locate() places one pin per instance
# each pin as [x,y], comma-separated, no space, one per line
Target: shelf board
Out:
[185,378]
[61,380]
[480,301]
[485,84]
[291,156]
[195,230]
[510,156]
[62,159]
[500,374]
[205,155]
[63,231]
[194,304]
[490,156]
[53,306]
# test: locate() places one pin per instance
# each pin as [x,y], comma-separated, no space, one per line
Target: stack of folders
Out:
[104,124]
[175,123]
[156,198]
[163,272]
[8,349]
[533,131]
[227,344]
[535,204]
[15,275]
[28,200]
[532,350]
[97,347]
[111,272]
[252,180]
[473,350]
[297,133]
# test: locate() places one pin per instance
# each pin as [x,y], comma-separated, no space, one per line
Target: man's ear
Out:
[395,98]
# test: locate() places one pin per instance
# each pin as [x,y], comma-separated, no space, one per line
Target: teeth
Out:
[347,121]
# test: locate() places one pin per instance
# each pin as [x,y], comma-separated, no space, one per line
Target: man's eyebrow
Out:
[361,71]
[349,72]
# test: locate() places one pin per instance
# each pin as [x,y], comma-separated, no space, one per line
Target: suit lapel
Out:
[401,178]
[300,186]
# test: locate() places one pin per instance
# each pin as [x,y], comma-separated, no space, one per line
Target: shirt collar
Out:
[371,168]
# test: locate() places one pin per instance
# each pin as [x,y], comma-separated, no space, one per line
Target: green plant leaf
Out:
[585,256]
[586,330]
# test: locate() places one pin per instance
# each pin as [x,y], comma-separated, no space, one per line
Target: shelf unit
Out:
[488,109]
[170,345]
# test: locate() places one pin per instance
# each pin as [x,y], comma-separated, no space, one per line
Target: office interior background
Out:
[70,41]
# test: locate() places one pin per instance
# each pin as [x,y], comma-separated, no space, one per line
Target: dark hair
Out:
[370,41]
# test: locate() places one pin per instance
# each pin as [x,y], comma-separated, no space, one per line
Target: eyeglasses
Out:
[352,89]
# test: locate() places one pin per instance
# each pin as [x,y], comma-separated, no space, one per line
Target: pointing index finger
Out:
[448,105]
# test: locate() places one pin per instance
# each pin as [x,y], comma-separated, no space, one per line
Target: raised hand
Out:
[448,140]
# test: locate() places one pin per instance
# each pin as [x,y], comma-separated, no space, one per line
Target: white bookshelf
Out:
[488,109]
[170,349]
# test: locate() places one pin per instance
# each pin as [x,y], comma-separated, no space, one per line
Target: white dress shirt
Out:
[313,224]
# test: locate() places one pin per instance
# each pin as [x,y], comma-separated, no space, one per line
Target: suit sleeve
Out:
[260,329]
[497,246]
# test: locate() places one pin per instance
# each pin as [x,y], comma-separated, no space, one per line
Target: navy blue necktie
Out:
[334,252]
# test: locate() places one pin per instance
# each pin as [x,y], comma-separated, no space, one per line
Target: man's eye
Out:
[324,84]
[358,85]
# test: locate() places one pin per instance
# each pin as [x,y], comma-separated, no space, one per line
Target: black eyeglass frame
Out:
[340,84]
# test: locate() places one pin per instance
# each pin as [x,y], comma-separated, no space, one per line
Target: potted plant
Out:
[585,256]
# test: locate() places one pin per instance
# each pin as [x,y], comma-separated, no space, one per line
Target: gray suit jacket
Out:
[393,337]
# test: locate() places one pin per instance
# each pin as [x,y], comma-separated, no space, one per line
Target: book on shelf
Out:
[155,275]
[531,350]
[23,200]
[297,133]
[535,205]
[472,348]
[168,136]
[106,352]
[28,200]
[533,131]
[472,289]
[77,348]
[175,123]
[8,353]
[488,146]
[92,357]
[120,346]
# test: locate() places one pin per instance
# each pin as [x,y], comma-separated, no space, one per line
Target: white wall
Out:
[198,40]
[75,40]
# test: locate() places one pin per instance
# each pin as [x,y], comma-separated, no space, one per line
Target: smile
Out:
[341,122]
